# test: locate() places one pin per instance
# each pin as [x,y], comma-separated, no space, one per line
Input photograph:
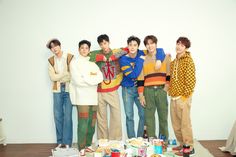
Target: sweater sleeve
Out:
[128,70]
[94,76]
[95,56]
[76,78]
[117,54]
[66,78]
[140,83]
[168,61]
[53,75]
[190,79]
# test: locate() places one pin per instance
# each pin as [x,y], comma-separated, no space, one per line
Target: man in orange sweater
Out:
[152,86]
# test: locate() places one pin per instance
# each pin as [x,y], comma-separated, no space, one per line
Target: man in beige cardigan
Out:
[58,69]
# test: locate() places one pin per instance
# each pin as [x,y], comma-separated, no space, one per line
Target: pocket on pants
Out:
[182,102]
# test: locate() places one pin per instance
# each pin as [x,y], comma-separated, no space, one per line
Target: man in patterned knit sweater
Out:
[108,62]
[182,83]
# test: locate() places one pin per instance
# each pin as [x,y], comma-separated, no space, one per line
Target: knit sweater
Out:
[131,68]
[85,76]
[112,75]
[151,76]
[58,77]
[160,54]
[183,80]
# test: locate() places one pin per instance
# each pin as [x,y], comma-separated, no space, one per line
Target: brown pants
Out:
[115,129]
[181,122]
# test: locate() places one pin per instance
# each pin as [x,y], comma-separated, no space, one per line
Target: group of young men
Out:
[146,76]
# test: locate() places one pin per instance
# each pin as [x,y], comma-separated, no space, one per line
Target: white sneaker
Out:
[58,146]
[67,146]
[82,152]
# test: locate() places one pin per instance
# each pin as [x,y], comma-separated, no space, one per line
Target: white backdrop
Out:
[26,26]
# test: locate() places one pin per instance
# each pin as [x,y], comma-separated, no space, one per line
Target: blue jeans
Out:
[62,108]
[130,96]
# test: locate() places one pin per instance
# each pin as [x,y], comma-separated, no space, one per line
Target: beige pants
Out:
[115,129]
[181,122]
[231,142]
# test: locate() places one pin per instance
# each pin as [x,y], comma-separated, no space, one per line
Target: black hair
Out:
[84,42]
[185,41]
[102,37]
[150,37]
[133,38]
[55,42]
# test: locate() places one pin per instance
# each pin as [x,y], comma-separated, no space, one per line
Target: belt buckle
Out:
[63,84]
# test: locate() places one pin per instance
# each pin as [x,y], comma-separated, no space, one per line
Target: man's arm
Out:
[190,79]
[117,53]
[96,56]
[53,75]
[76,78]
[128,70]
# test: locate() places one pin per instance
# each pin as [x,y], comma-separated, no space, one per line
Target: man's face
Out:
[151,46]
[84,50]
[180,48]
[105,46]
[133,47]
[56,49]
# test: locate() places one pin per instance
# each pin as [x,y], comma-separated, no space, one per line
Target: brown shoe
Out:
[191,153]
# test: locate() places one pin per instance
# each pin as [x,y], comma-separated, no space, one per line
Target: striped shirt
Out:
[151,76]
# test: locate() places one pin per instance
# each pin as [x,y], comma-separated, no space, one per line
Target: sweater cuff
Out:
[168,78]
[113,58]
[126,49]
[99,57]
[140,89]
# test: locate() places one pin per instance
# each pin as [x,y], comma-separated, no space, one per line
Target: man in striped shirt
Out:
[152,86]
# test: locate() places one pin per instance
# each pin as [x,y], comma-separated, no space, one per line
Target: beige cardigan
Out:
[63,77]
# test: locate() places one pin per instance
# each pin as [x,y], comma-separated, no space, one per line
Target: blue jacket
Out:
[131,68]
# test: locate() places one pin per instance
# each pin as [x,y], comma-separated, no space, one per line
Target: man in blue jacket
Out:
[131,66]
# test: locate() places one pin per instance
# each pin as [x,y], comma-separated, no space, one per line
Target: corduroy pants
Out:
[156,100]
[111,99]
[181,121]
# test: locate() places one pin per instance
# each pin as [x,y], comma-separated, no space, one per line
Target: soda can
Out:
[157,149]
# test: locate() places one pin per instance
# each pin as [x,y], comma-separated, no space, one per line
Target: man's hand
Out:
[112,58]
[142,100]
[158,65]
[126,49]
[166,87]
[142,57]
[104,59]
